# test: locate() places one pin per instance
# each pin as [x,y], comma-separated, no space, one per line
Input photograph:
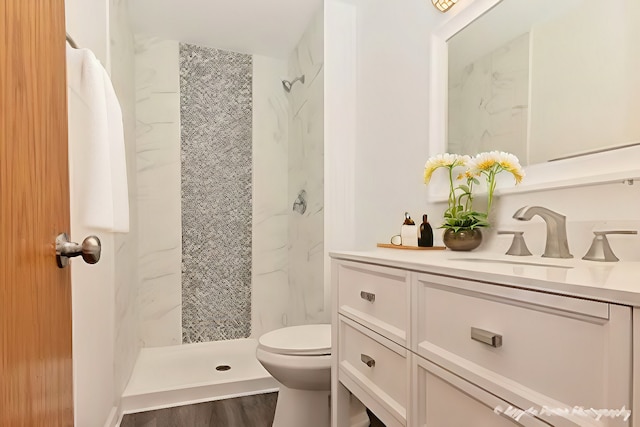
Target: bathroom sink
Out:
[509,262]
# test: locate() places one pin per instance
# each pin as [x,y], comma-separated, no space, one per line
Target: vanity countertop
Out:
[615,282]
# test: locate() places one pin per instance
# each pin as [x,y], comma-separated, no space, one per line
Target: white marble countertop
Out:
[616,282]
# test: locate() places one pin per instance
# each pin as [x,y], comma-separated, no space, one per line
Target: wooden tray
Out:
[412,248]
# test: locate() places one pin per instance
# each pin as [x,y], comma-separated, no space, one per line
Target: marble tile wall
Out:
[488,102]
[160,300]
[127,345]
[307,284]
[216,125]
[269,275]
[158,175]
[255,411]
[279,175]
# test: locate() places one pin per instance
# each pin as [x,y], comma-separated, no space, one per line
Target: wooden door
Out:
[35,296]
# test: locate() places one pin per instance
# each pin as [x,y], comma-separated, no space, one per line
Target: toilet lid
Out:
[305,340]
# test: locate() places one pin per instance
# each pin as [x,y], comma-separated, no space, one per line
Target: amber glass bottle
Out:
[426,233]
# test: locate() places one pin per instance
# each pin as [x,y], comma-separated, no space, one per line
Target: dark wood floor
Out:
[247,411]
[254,411]
[375,422]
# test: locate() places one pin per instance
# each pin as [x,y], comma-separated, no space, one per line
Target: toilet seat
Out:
[304,340]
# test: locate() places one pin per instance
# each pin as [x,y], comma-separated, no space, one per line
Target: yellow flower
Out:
[511,164]
[443,160]
[466,175]
[483,162]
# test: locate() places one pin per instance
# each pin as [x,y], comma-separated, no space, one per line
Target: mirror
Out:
[545,80]
[552,82]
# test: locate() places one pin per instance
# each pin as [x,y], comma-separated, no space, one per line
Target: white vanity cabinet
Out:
[371,325]
[422,349]
[531,349]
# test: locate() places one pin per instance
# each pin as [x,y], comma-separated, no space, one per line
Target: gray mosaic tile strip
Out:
[216,123]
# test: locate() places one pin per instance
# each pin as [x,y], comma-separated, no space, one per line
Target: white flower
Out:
[495,162]
[461,213]
[443,160]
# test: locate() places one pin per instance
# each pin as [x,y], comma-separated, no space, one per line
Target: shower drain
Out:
[223,367]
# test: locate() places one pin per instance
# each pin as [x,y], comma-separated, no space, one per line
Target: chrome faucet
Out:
[557,245]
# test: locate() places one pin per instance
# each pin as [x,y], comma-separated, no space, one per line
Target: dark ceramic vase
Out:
[462,240]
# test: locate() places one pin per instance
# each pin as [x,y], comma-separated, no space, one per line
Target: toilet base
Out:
[296,408]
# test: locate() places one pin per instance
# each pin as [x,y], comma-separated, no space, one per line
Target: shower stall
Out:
[230,176]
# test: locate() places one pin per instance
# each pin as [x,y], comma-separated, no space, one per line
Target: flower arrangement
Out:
[460,213]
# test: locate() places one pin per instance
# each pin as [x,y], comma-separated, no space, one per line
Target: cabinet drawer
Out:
[376,297]
[380,370]
[446,400]
[572,351]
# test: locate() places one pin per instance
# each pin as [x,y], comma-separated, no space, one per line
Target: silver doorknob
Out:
[89,249]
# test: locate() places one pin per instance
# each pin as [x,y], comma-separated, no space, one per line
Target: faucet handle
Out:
[518,245]
[600,249]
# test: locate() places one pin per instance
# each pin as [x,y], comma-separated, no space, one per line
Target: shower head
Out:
[286,84]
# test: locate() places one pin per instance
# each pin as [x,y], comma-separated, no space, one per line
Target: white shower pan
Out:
[192,373]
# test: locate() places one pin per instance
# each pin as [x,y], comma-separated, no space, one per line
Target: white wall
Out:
[104,318]
[88,23]
[392,114]
[93,311]
[93,289]
[266,28]
[589,56]
[392,138]
[603,207]
[340,130]
[589,208]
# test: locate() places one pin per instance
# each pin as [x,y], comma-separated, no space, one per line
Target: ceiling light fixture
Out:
[443,5]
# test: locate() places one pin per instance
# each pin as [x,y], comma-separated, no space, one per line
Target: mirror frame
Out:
[619,165]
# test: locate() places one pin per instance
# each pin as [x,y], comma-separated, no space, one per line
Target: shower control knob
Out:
[90,250]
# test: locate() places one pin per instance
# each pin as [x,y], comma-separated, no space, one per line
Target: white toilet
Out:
[299,358]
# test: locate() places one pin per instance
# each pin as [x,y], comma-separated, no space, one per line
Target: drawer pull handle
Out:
[367,296]
[486,337]
[368,360]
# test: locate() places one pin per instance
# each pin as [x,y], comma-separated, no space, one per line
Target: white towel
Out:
[97,163]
